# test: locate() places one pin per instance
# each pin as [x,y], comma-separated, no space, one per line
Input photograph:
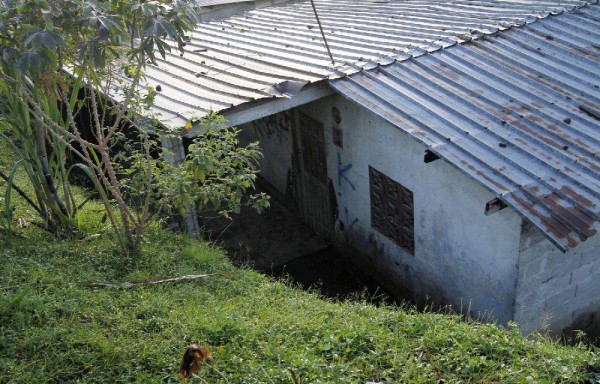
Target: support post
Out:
[176,155]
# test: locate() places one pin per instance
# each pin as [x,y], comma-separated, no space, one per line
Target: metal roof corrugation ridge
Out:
[521,98]
[256,55]
[510,48]
[307,50]
[244,41]
[556,188]
[507,129]
[448,114]
[271,45]
[341,39]
[243,73]
[176,75]
[559,101]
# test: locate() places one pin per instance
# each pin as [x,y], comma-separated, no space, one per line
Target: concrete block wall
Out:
[557,290]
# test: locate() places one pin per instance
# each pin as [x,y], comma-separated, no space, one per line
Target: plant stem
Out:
[23,195]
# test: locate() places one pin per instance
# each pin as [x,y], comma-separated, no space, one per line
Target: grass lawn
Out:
[57,325]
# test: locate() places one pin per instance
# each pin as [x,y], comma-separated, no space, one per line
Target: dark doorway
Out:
[313,203]
[279,244]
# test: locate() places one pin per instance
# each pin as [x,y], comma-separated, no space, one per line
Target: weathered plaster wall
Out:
[274,134]
[462,257]
[555,289]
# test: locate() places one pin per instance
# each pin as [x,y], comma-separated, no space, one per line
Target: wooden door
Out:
[314,204]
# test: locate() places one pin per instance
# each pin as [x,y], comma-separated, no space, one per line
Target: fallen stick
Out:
[125,285]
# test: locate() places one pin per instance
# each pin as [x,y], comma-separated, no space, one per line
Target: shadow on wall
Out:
[589,323]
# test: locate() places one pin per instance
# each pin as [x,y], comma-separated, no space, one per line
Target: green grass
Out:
[55,328]
[257,328]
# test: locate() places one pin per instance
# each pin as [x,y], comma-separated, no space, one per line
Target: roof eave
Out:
[250,111]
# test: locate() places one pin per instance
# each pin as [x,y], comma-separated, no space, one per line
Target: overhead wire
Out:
[322,32]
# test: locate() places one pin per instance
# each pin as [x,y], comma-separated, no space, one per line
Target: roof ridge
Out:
[269,46]
[348,68]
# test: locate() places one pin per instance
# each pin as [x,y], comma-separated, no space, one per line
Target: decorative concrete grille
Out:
[392,210]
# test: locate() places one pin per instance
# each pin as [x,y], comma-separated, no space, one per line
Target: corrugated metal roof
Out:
[237,60]
[518,111]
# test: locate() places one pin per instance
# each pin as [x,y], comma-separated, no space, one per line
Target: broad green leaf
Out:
[9,55]
[44,38]
[30,62]
[159,27]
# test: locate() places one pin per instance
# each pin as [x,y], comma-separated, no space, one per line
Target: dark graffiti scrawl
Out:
[275,127]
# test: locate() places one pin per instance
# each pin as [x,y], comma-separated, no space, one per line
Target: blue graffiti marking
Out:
[342,169]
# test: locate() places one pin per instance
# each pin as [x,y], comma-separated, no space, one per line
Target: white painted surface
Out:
[462,257]
[275,138]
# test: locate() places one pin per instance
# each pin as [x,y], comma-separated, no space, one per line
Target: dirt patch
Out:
[328,272]
[279,244]
[266,240]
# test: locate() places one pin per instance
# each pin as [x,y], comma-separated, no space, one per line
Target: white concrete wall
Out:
[557,290]
[274,134]
[461,255]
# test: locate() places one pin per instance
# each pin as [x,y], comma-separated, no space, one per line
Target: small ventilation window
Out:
[392,210]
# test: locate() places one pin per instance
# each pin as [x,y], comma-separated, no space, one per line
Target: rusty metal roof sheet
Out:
[518,111]
[241,59]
